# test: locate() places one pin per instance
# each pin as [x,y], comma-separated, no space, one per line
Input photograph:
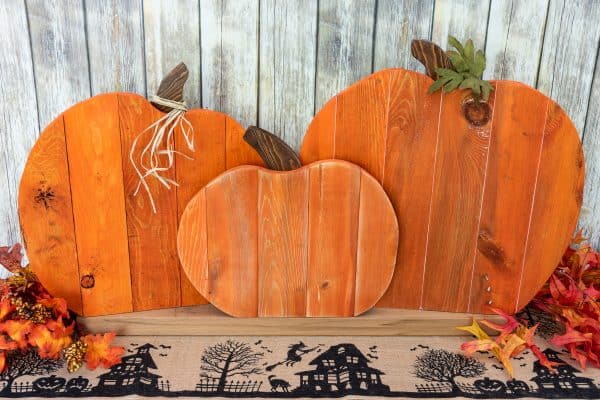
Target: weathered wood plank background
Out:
[274,63]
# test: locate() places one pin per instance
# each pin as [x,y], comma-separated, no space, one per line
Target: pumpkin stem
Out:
[276,153]
[171,87]
[431,56]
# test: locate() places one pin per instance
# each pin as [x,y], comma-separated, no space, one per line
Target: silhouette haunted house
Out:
[342,368]
[564,381]
[131,375]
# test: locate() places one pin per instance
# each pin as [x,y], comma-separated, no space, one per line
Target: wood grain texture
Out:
[515,145]
[463,194]
[207,320]
[287,54]
[557,200]
[229,51]
[115,46]
[514,40]
[282,242]
[171,35]
[153,262]
[276,153]
[456,201]
[18,113]
[345,45]
[96,177]
[290,243]
[46,215]
[58,45]
[397,23]
[410,156]
[567,62]
[463,19]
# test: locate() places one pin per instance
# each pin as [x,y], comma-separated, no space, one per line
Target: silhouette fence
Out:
[444,387]
[211,385]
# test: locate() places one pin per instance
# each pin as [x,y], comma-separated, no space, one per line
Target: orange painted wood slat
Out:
[516,140]
[96,176]
[46,215]
[411,138]
[232,240]
[153,261]
[376,237]
[320,145]
[303,228]
[282,236]
[334,194]
[557,201]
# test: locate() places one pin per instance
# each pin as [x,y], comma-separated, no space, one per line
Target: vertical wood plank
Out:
[345,44]
[230,57]
[319,145]
[116,46]
[367,149]
[288,32]
[459,176]
[377,244]
[192,175]
[59,54]
[171,35]
[515,145]
[334,195]
[567,64]
[282,241]
[232,242]
[18,113]
[153,259]
[46,214]
[590,219]
[410,159]
[463,19]
[96,177]
[398,23]
[559,192]
[514,39]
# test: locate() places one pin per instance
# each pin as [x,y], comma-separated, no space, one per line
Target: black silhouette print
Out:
[278,383]
[226,360]
[444,367]
[294,355]
[29,363]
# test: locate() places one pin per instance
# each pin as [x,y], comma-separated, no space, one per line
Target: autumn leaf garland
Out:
[31,319]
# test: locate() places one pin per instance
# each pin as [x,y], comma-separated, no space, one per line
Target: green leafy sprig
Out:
[467,72]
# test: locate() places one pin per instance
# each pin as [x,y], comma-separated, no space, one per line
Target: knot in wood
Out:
[87,281]
[477,112]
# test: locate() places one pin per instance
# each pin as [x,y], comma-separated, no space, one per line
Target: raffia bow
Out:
[161,146]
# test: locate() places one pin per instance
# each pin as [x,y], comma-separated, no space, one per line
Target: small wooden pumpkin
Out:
[89,239]
[320,240]
[487,202]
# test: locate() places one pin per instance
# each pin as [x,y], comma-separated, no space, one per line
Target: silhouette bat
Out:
[523,365]
[497,367]
[257,343]
[423,347]
[130,351]
[162,355]
[165,347]
[372,356]
[133,344]
[519,358]
[413,349]
[372,347]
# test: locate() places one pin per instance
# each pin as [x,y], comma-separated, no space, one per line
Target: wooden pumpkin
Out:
[89,239]
[486,203]
[320,240]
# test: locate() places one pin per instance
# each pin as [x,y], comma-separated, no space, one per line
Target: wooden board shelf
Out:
[206,320]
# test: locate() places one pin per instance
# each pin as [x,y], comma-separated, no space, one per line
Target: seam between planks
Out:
[306,235]
[533,196]
[387,127]
[437,141]
[482,197]
[125,198]
[64,130]
[360,173]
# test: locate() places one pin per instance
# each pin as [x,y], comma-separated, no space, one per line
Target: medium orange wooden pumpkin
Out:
[320,240]
[89,239]
[486,207]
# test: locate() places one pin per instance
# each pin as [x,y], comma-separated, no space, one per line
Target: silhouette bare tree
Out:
[444,366]
[29,363]
[229,359]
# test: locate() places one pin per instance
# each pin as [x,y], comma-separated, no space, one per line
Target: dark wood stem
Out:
[276,153]
[431,56]
[171,87]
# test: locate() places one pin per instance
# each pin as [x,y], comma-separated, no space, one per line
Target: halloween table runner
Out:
[301,367]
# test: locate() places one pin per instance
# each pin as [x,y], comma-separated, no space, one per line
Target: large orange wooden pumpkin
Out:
[88,237]
[485,209]
[320,240]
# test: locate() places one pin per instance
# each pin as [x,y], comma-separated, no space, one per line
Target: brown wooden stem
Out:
[171,87]
[431,56]
[276,153]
